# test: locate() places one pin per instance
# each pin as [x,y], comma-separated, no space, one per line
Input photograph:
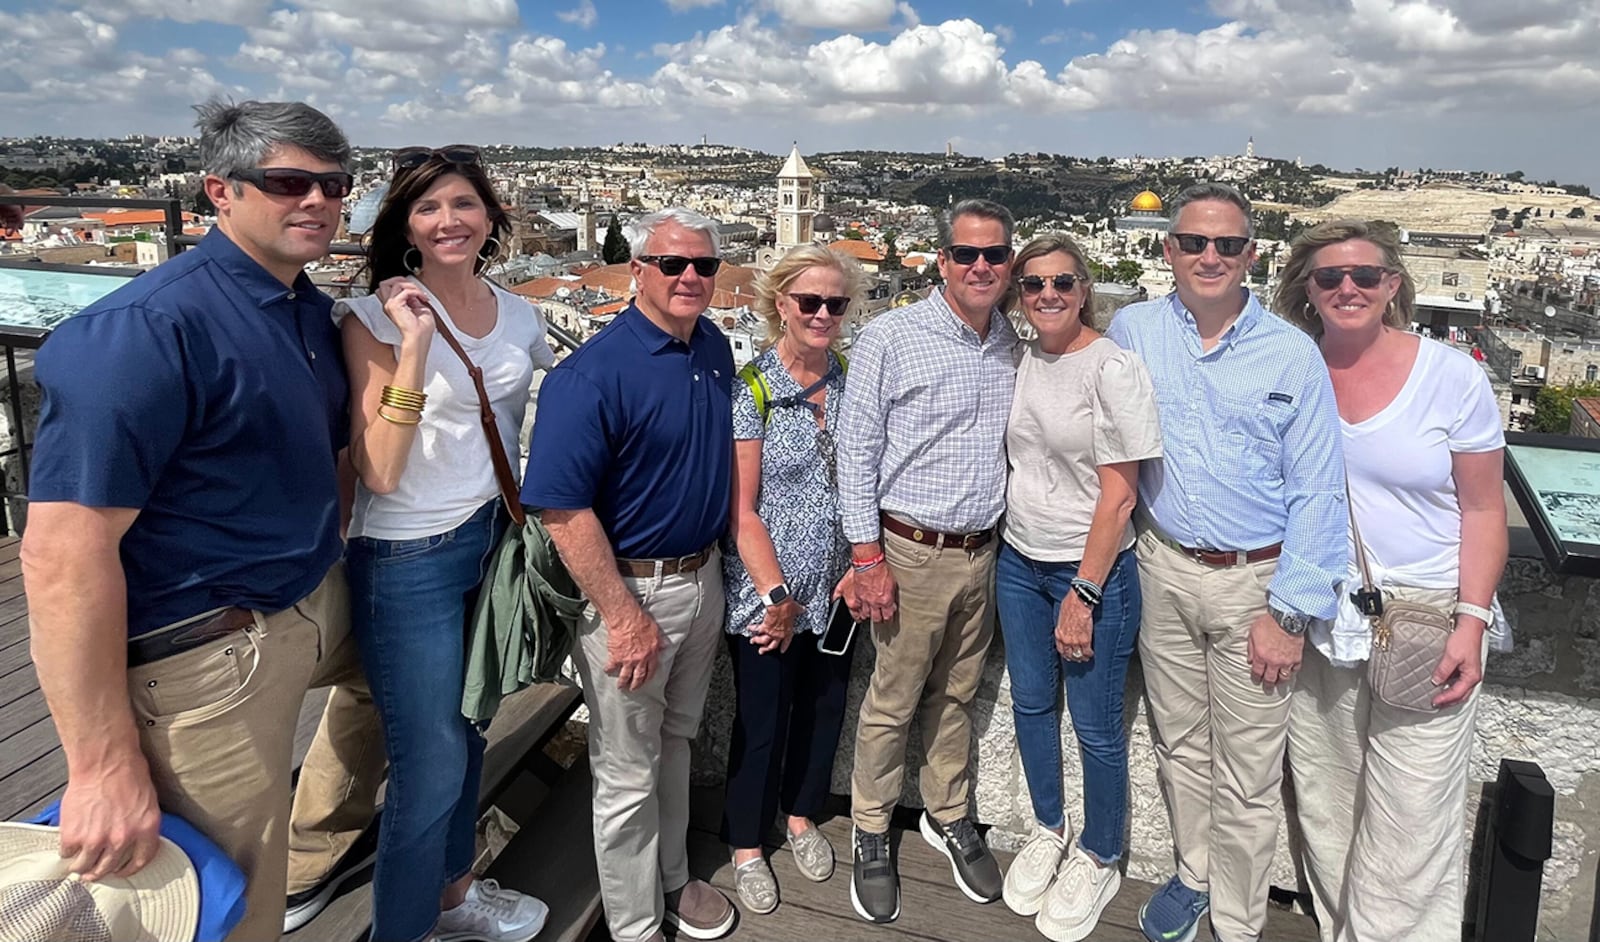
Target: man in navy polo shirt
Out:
[182,548]
[633,449]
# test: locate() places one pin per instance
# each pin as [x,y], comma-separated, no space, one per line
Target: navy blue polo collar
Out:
[258,284]
[650,335]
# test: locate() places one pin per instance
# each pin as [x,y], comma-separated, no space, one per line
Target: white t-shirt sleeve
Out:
[1124,410]
[369,311]
[1476,425]
[539,350]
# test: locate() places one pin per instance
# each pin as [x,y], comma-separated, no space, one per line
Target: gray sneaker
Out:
[813,855]
[976,871]
[756,886]
[874,886]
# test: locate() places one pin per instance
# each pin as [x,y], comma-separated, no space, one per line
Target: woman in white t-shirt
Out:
[1066,584]
[1381,792]
[427,516]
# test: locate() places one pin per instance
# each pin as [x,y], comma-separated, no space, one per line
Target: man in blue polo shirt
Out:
[181,553]
[632,457]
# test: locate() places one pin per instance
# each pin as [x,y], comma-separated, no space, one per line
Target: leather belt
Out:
[1220,558]
[935,538]
[165,642]
[646,568]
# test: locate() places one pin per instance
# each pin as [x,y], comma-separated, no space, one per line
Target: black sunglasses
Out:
[290,181]
[810,303]
[410,158]
[1227,246]
[673,265]
[968,254]
[1033,284]
[1365,276]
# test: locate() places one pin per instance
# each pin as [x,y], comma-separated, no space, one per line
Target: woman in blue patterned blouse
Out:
[791,562]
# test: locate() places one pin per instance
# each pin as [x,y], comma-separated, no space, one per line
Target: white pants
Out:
[1381,797]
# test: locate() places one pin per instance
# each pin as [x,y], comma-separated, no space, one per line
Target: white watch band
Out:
[1476,611]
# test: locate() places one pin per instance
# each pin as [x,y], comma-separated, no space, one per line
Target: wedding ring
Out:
[1077,652]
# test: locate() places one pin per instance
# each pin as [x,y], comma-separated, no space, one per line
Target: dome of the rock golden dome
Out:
[1147,202]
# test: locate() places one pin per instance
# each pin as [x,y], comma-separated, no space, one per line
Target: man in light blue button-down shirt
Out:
[1241,548]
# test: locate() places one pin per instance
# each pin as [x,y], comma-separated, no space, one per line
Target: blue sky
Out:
[1473,84]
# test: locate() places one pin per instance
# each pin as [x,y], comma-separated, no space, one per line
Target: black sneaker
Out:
[308,904]
[975,869]
[874,886]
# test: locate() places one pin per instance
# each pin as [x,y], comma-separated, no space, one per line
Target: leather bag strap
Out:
[1361,549]
[491,428]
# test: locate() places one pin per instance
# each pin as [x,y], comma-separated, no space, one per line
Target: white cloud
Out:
[582,16]
[680,6]
[1006,33]
[837,14]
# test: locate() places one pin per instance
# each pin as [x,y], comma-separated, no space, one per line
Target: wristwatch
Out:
[1292,623]
[777,595]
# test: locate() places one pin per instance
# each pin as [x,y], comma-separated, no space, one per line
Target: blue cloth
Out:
[922,431]
[409,604]
[798,502]
[1250,438]
[638,426]
[222,883]
[212,398]
[1028,596]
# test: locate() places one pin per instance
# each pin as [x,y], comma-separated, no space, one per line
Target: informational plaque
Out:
[1556,481]
[42,298]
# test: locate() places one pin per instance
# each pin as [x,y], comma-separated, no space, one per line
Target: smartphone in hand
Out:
[841,630]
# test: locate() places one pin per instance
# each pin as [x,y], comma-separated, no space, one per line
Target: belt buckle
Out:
[1241,557]
[969,540]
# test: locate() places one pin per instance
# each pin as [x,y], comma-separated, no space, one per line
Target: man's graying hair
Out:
[639,231]
[238,136]
[985,209]
[1200,192]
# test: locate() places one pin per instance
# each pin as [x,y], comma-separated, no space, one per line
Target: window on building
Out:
[1591,372]
[1450,279]
[1516,359]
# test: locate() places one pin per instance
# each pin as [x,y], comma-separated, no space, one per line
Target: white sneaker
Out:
[492,914]
[1073,905]
[1033,870]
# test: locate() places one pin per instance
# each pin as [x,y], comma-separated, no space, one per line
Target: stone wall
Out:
[1541,702]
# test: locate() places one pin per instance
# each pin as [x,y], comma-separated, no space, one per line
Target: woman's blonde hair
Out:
[776,281]
[1049,244]
[1291,300]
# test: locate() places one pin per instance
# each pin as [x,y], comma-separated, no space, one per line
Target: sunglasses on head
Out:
[289,181]
[410,158]
[673,265]
[1033,284]
[1365,276]
[809,304]
[968,254]
[1227,246]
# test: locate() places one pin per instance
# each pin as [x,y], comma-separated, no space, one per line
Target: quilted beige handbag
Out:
[1408,640]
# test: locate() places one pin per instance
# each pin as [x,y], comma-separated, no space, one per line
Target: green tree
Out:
[854,234]
[1552,407]
[615,249]
[891,253]
[1127,271]
[930,271]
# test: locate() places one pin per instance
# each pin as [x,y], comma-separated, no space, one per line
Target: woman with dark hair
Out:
[1381,791]
[427,516]
[1066,583]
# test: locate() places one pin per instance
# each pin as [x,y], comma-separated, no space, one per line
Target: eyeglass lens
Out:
[1227,246]
[1033,284]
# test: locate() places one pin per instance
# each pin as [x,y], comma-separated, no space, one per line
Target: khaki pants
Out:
[217,727]
[639,745]
[929,661]
[1381,796]
[1219,735]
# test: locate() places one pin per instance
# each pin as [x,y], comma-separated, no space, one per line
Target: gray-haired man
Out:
[182,552]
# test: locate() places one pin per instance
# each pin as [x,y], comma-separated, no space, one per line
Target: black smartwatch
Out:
[1292,623]
[777,595]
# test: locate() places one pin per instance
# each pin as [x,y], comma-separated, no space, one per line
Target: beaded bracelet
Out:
[1087,591]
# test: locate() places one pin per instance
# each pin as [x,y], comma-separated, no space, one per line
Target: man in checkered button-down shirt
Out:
[921,484]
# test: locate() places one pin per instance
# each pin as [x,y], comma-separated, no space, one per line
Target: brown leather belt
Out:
[646,568]
[165,642]
[1220,558]
[934,538]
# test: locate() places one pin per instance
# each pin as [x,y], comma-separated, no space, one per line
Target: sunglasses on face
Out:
[289,181]
[673,265]
[810,303]
[968,254]
[1227,246]
[410,158]
[1365,276]
[1033,284]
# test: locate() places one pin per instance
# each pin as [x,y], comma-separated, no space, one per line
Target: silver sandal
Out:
[813,855]
[757,887]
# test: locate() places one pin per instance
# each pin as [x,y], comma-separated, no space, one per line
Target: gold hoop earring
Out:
[485,258]
[405,260]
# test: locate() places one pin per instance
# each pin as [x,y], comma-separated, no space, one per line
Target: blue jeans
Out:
[409,601]
[1028,597]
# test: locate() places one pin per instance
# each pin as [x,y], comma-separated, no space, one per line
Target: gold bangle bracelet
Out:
[413,399]
[387,417]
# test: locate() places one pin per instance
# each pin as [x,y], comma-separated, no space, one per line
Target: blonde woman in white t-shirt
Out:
[1381,791]
[427,516]
[1066,584]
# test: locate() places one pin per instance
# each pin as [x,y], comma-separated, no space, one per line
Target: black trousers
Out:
[790,708]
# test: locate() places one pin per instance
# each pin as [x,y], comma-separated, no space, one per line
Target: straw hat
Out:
[41,902]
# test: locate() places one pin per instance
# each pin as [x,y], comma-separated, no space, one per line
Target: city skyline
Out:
[1446,84]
